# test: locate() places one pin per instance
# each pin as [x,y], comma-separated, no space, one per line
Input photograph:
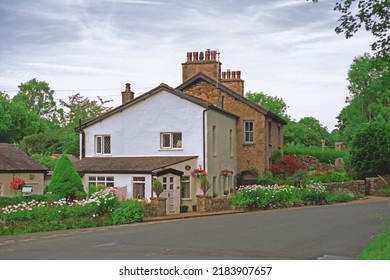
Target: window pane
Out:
[92,178]
[138,190]
[107,144]
[103,179]
[110,178]
[185,187]
[166,140]
[99,145]
[177,141]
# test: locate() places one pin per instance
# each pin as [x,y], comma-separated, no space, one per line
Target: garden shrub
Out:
[327,177]
[370,149]
[328,155]
[65,181]
[286,166]
[128,212]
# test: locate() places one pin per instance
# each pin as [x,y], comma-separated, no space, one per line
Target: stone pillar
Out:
[204,203]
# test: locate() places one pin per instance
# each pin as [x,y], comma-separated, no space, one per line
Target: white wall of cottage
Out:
[136,130]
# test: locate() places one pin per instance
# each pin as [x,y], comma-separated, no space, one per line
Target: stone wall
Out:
[370,186]
[156,207]
[356,187]
[209,204]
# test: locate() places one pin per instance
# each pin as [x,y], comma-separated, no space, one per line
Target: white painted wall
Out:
[136,130]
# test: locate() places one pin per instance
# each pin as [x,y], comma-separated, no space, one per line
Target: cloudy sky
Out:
[284,48]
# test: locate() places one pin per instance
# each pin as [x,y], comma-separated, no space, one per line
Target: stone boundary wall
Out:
[370,186]
[156,207]
[209,204]
[356,187]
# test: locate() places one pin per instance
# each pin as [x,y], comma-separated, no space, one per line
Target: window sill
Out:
[186,199]
[164,150]
[102,155]
[249,143]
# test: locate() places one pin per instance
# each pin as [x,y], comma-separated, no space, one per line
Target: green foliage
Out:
[329,155]
[307,131]
[37,97]
[65,180]
[274,104]
[327,177]
[286,166]
[45,213]
[91,189]
[204,184]
[17,122]
[45,160]
[157,187]
[369,94]
[261,197]
[370,149]
[128,212]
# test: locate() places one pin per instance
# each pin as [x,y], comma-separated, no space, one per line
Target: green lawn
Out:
[378,248]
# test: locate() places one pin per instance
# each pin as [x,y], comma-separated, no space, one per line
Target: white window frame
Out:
[186,181]
[106,180]
[102,145]
[139,180]
[249,140]
[171,144]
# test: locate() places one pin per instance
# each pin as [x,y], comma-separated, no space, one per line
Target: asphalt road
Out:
[336,232]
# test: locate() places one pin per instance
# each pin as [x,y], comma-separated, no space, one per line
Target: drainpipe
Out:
[82,133]
[204,139]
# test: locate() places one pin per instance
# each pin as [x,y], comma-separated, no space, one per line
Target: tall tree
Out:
[16,122]
[373,15]
[369,95]
[82,108]
[272,103]
[39,98]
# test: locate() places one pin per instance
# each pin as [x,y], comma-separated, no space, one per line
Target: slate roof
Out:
[127,165]
[14,160]
[202,76]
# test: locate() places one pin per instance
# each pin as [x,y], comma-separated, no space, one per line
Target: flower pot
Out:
[183,209]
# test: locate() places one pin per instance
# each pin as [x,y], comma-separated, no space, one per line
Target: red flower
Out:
[198,172]
[17,183]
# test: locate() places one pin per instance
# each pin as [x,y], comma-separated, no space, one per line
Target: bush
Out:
[327,177]
[329,155]
[65,181]
[370,149]
[286,166]
[128,212]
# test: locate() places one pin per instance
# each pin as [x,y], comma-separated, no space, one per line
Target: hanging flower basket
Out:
[17,184]
[198,172]
[226,172]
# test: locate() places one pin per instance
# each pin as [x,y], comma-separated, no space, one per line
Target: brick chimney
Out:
[232,80]
[202,62]
[127,95]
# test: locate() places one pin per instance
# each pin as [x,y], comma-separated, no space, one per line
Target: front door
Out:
[172,193]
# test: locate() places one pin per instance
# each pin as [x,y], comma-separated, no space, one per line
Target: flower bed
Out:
[275,196]
[34,216]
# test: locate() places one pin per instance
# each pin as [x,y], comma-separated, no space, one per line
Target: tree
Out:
[17,122]
[369,94]
[373,15]
[370,149]
[308,131]
[274,104]
[81,108]
[39,98]
[65,181]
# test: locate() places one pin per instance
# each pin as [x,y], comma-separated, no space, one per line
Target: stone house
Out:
[16,164]
[259,131]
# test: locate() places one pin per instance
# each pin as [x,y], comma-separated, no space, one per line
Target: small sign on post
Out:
[27,190]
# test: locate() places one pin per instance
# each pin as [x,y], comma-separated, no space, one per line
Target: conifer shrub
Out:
[65,182]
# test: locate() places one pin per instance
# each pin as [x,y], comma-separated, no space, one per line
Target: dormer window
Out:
[102,144]
[171,140]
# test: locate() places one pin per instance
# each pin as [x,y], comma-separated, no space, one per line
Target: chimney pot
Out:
[234,75]
[228,74]
[213,55]
[189,56]
[201,56]
[127,87]
[223,75]
[208,54]
[195,54]
[238,75]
